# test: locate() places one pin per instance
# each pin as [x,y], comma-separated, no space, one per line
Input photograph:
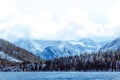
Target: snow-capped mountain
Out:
[112,45]
[48,49]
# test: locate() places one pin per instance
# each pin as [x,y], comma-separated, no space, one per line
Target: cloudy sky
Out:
[59,19]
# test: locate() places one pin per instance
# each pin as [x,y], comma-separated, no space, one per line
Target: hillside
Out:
[112,45]
[13,53]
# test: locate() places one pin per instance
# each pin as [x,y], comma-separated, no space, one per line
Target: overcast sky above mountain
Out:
[60,19]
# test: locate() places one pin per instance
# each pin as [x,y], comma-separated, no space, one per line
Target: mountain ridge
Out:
[112,45]
[58,48]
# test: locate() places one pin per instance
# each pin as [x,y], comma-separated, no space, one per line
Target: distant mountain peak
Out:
[45,48]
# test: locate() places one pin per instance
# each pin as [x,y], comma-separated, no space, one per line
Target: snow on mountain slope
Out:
[9,58]
[88,45]
[29,45]
[112,45]
[77,43]
[48,49]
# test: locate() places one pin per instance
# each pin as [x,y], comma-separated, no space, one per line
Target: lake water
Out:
[59,75]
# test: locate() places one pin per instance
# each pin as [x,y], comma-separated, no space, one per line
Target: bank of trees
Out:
[101,61]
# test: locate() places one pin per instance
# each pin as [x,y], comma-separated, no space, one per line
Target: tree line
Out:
[100,61]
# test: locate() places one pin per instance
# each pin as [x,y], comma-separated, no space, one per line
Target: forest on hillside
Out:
[101,61]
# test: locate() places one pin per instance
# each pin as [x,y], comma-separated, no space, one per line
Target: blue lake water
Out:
[59,75]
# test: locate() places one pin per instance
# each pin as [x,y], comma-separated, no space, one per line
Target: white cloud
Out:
[63,20]
[7,8]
